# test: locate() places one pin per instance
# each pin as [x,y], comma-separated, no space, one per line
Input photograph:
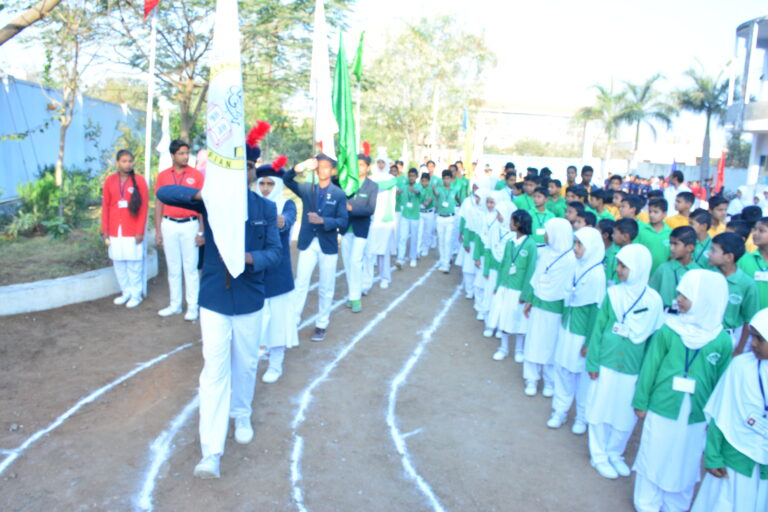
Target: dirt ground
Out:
[474,437]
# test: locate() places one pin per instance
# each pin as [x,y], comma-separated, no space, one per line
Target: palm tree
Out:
[645,104]
[610,109]
[708,95]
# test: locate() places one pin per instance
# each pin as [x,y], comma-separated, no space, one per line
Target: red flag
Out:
[148,6]
[720,174]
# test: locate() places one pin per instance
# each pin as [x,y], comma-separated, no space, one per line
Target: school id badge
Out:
[761,276]
[620,329]
[684,385]
[122,203]
[512,269]
[758,423]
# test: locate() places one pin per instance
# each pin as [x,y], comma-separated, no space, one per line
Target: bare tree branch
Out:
[35,13]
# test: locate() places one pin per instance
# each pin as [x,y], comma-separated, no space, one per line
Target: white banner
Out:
[225,190]
[320,89]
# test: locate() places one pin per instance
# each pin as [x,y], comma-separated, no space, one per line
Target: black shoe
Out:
[318,335]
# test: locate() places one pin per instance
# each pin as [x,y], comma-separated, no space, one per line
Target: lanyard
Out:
[689,363]
[624,316]
[546,270]
[122,186]
[514,258]
[762,390]
[703,249]
[181,178]
[758,258]
[576,280]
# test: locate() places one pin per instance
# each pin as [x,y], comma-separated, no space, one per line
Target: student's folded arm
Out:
[658,346]
[183,197]
[272,252]
[713,451]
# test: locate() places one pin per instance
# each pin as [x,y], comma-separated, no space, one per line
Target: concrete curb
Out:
[63,291]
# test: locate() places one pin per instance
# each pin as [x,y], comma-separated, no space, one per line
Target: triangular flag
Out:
[357,67]
[148,6]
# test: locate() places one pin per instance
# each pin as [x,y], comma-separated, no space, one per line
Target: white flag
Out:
[225,190]
[320,89]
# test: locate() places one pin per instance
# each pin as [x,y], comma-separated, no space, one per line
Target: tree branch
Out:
[27,18]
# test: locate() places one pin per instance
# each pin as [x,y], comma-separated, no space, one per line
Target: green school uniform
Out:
[410,201]
[446,200]
[524,202]
[719,453]
[401,181]
[743,302]
[588,208]
[500,185]
[523,257]
[557,206]
[539,219]
[610,264]
[609,349]
[552,306]
[461,185]
[665,360]
[751,263]
[657,242]
[435,181]
[701,254]
[667,277]
[580,320]
[605,215]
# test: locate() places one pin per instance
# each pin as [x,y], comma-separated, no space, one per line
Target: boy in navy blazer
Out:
[324,214]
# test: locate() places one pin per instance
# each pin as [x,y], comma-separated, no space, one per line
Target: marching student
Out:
[655,234]
[482,242]
[701,221]
[278,324]
[582,301]
[743,302]
[230,317]
[426,216]
[513,286]
[718,208]
[683,204]
[382,229]
[554,264]
[736,450]
[540,214]
[682,243]
[410,195]
[684,361]
[123,222]
[447,200]
[360,208]
[624,233]
[180,232]
[324,213]
[629,315]
[498,236]
[755,264]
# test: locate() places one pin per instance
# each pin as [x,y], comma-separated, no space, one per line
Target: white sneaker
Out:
[519,358]
[530,388]
[208,467]
[384,285]
[271,375]
[500,355]
[481,316]
[555,421]
[498,334]
[620,466]
[170,310]
[192,314]
[243,430]
[122,299]
[413,263]
[579,427]
[488,333]
[469,296]
[606,470]
[548,391]
[133,303]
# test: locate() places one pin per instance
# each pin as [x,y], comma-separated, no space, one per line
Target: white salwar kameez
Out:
[716,494]
[610,414]
[571,380]
[540,341]
[381,234]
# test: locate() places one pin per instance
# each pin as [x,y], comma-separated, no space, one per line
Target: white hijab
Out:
[588,281]
[276,196]
[737,397]
[634,303]
[555,262]
[477,211]
[489,220]
[708,293]
[500,233]
[739,203]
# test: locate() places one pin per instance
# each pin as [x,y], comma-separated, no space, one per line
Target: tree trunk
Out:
[35,13]
[59,171]
[705,152]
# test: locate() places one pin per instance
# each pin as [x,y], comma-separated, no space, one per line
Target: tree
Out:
[707,95]
[646,105]
[398,99]
[32,15]
[611,109]
[738,151]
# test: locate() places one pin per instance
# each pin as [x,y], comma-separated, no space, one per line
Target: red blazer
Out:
[112,216]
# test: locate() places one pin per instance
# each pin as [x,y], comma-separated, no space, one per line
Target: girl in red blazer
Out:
[123,221]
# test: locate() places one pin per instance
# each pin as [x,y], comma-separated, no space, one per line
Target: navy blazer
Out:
[363,205]
[334,214]
[279,279]
[246,293]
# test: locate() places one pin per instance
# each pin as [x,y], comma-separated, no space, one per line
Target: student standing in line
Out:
[447,200]
[499,234]
[556,203]
[540,214]
[701,221]
[683,204]
[426,216]
[124,207]
[684,361]
[624,233]
[629,315]
[718,208]
[655,234]
[410,195]
[472,216]
[755,264]
[482,241]
[682,243]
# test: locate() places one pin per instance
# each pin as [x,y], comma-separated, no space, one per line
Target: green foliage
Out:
[57,227]
[738,151]
[23,223]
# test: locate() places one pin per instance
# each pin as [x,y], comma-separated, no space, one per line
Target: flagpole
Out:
[148,129]
[357,115]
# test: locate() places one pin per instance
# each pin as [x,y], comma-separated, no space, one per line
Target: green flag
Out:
[357,67]
[343,112]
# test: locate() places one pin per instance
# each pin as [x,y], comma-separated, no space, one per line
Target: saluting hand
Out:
[310,164]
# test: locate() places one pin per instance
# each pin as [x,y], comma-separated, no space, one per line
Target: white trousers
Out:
[649,497]
[369,262]
[128,274]
[535,371]
[228,379]
[444,239]
[569,385]
[455,244]
[352,254]
[408,235]
[607,443]
[181,255]
[426,228]
[308,259]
